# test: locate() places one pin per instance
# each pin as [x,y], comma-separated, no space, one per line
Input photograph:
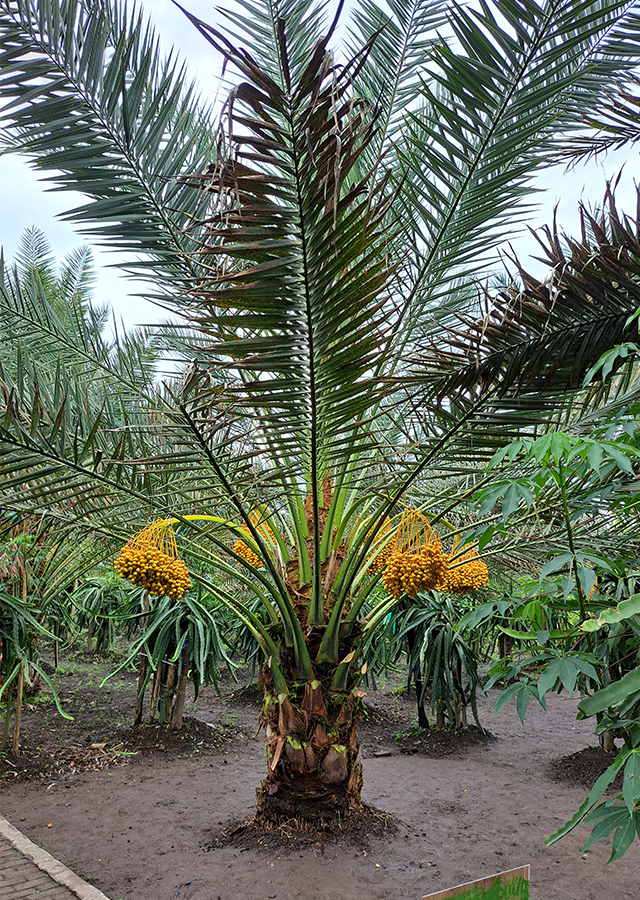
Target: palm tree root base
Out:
[309,800]
[358,827]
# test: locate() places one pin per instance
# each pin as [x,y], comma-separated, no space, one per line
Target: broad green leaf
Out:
[560,445]
[584,666]
[605,819]
[594,455]
[631,781]
[518,635]
[511,500]
[622,838]
[568,674]
[620,458]
[602,783]
[522,701]
[507,694]
[485,537]
[614,693]
[630,607]
[489,499]
[557,563]
[610,617]
[549,677]
[626,609]
[500,454]
[539,448]
[605,363]
[587,578]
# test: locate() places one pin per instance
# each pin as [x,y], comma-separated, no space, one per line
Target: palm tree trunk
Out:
[608,743]
[15,746]
[142,668]
[168,692]
[155,694]
[440,721]
[7,723]
[314,771]
[181,693]
[142,673]
[423,721]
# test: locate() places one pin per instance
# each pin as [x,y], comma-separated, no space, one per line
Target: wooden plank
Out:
[510,885]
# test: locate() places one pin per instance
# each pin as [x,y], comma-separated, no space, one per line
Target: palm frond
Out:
[34,258]
[542,338]
[293,255]
[259,25]
[614,125]
[77,277]
[312,245]
[401,38]
[491,120]
[86,93]
[52,321]
[611,123]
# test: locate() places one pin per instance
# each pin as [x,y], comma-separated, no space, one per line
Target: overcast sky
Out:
[25,202]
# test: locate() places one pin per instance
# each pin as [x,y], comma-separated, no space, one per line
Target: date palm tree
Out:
[313,246]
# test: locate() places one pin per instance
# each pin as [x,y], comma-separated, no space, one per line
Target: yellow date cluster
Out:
[384,556]
[470,576]
[416,562]
[409,573]
[149,560]
[466,571]
[244,551]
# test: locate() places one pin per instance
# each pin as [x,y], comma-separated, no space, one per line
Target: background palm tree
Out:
[314,246]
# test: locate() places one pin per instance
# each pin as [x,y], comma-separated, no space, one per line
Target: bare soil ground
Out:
[145,814]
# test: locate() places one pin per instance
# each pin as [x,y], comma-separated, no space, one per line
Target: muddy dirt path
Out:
[138,828]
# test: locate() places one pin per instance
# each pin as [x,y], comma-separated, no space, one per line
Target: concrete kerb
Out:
[47,863]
